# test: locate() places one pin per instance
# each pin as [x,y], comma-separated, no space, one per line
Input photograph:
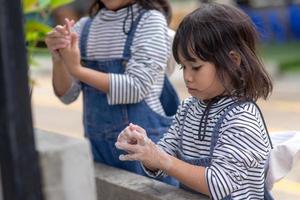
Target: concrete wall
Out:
[67,167]
[69,174]
[118,184]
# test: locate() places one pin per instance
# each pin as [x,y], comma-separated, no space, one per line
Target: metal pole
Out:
[20,171]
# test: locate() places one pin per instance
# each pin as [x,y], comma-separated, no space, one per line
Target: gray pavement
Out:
[281,111]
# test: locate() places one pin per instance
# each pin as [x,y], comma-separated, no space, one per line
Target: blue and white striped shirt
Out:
[241,152]
[144,74]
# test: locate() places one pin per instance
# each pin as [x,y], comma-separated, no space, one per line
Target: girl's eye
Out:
[196,68]
[181,67]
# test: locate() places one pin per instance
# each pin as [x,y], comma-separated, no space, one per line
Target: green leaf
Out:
[32,36]
[29,6]
[35,31]
[57,3]
[43,4]
[35,26]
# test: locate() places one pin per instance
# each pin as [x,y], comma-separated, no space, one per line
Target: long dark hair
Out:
[161,5]
[214,30]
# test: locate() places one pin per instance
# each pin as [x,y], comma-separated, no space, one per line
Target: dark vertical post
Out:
[20,171]
[1,197]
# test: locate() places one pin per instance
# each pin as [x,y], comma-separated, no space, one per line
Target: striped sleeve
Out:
[72,94]
[242,147]
[150,52]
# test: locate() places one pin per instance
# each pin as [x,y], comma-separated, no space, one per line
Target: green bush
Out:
[287,55]
[37,28]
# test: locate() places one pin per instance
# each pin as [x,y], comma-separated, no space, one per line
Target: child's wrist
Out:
[165,160]
[76,71]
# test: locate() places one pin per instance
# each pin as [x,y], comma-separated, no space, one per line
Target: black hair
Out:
[210,33]
[161,5]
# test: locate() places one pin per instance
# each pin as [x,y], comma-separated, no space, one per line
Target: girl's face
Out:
[116,4]
[201,78]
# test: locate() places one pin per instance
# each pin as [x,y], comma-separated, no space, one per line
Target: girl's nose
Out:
[187,75]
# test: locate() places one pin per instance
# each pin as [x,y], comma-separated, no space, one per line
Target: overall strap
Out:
[221,119]
[130,36]
[189,105]
[84,36]
[215,136]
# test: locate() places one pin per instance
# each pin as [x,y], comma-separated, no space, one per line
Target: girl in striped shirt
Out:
[117,57]
[218,144]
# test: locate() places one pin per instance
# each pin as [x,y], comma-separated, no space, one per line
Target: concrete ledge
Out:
[68,174]
[67,167]
[116,184]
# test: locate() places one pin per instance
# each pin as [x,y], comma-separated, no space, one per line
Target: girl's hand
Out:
[56,39]
[126,137]
[135,141]
[71,53]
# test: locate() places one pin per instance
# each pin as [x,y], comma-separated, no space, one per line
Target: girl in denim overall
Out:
[103,121]
[218,144]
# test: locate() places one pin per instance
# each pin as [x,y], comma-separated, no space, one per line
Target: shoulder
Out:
[244,119]
[80,24]
[154,14]
[246,109]
[154,17]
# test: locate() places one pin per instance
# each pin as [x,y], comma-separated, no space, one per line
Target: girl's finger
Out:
[61,46]
[125,137]
[62,29]
[142,139]
[68,25]
[140,129]
[132,126]
[58,44]
[121,137]
[72,22]
[129,157]
[128,147]
[55,34]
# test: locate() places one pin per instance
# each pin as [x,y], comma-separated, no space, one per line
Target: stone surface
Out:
[118,184]
[67,167]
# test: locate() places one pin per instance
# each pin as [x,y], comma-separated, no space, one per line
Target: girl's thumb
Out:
[74,40]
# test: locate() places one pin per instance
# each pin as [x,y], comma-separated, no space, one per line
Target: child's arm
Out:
[91,77]
[71,59]
[55,40]
[154,158]
[190,175]
[61,78]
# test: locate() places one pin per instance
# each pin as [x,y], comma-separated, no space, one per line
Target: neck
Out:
[124,6]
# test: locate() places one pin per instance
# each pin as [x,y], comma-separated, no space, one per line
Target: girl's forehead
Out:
[191,57]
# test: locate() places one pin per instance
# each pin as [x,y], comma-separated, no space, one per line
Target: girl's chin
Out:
[192,92]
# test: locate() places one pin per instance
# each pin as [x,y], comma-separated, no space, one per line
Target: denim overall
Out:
[205,161]
[103,122]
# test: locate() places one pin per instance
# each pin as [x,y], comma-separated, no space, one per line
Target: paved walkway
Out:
[281,111]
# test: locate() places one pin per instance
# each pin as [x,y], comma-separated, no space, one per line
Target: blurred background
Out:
[278,22]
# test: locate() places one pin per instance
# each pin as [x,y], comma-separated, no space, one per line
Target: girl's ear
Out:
[235,57]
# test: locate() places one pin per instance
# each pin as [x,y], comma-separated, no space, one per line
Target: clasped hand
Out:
[133,139]
[63,45]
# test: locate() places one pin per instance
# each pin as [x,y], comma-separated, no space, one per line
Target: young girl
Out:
[120,68]
[218,144]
